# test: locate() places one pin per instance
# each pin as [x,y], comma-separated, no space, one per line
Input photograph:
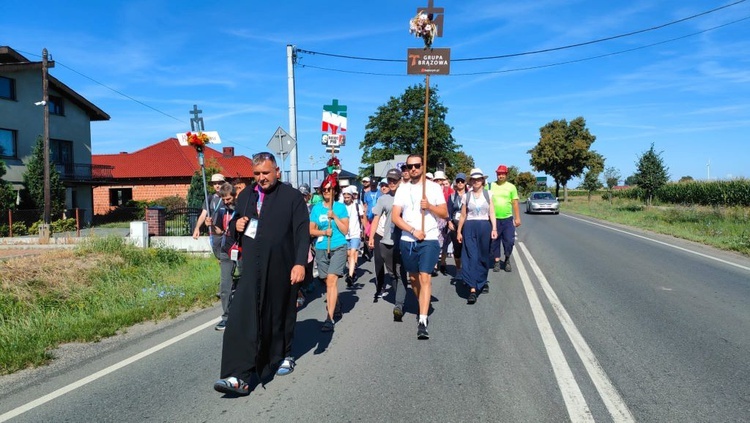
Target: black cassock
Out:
[261,319]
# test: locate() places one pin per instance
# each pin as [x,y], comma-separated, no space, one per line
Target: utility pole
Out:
[45,100]
[291,57]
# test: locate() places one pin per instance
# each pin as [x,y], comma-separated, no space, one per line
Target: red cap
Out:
[502,169]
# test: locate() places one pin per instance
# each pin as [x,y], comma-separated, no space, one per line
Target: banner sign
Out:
[436,61]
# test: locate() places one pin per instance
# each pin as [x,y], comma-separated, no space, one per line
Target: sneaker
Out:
[286,366]
[221,325]
[486,289]
[422,331]
[497,266]
[434,272]
[398,314]
[328,326]
[472,298]
[337,311]
[349,281]
[507,266]
[443,269]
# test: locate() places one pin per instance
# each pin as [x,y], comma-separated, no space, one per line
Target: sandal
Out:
[232,385]
[286,366]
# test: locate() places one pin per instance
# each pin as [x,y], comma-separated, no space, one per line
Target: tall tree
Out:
[591,182]
[611,178]
[33,180]
[630,181]
[651,173]
[398,128]
[525,182]
[463,164]
[196,195]
[563,150]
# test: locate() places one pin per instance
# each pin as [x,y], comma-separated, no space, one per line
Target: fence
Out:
[182,221]
[19,222]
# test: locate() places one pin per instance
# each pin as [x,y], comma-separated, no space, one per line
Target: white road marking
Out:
[578,410]
[101,373]
[611,398]
[662,243]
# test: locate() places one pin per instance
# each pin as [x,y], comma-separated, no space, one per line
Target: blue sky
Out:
[688,97]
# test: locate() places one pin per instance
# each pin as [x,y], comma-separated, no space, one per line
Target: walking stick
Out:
[424,150]
[328,250]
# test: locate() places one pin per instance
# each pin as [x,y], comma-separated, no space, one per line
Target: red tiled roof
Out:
[169,159]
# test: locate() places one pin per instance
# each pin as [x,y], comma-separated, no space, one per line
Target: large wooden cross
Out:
[438,15]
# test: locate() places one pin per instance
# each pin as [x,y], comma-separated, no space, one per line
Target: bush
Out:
[170,203]
[20,229]
[63,225]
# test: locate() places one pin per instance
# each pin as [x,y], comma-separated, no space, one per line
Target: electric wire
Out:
[547,50]
[549,65]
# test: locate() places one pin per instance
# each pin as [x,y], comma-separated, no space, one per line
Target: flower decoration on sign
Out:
[334,165]
[422,26]
[197,141]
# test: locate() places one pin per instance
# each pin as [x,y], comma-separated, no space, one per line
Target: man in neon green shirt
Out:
[507,214]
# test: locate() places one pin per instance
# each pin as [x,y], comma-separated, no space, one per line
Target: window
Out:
[61,154]
[56,105]
[7,143]
[119,197]
[7,88]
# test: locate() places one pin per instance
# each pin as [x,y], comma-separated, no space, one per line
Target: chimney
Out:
[228,151]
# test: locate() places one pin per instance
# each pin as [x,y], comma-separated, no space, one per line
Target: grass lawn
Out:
[103,286]
[721,227]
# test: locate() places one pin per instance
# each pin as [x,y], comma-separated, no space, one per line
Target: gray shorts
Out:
[333,265]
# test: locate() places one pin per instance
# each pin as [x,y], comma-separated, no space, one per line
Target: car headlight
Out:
[555,205]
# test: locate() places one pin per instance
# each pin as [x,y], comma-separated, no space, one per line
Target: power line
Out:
[547,50]
[547,65]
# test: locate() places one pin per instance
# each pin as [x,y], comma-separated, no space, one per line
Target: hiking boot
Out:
[398,315]
[486,289]
[349,281]
[507,266]
[422,332]
[497,266]
[472,298]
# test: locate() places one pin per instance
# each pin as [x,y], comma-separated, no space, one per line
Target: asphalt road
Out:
[595,323]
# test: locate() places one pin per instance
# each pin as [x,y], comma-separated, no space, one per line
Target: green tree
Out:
[563,151]
[630,181]
[525,183]
[651,173]
[463,163]
[611,178]
[686,179]
[33,180]
[591,182]
[7,193]
[398,128]
[196,195]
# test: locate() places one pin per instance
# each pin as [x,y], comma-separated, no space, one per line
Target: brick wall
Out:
[140,193]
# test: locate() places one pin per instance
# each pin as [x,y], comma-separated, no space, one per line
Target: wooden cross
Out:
[438,15]
[196,120]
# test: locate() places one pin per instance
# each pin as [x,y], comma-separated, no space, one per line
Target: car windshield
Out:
[543,196]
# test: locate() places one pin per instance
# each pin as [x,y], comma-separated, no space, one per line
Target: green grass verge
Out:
[727,228]
[107,286]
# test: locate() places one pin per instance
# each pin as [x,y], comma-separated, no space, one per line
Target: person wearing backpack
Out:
[476,228]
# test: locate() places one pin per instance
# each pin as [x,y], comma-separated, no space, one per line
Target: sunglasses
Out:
[460,181]
[414,165]
[327,189]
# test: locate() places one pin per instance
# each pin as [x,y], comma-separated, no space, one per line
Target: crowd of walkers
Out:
[278,241]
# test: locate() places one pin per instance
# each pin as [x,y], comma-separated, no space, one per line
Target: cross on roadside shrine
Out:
[438,15]
[335,108]
[196,120]
[337,118]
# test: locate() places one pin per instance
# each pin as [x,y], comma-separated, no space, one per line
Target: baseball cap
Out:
[366,179]
[428,175]
[502,169]
[461,176]
[217,177]
[440,175]
[383,181]
[393,174]
[304,189]
[476,173]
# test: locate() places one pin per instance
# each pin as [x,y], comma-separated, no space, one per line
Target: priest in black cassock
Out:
[272,224]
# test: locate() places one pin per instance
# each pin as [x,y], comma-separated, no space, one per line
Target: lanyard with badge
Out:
[252,225]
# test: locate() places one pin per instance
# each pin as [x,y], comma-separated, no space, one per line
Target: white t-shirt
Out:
[409,196]
[355,229]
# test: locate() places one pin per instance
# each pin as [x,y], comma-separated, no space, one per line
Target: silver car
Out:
[542,202]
